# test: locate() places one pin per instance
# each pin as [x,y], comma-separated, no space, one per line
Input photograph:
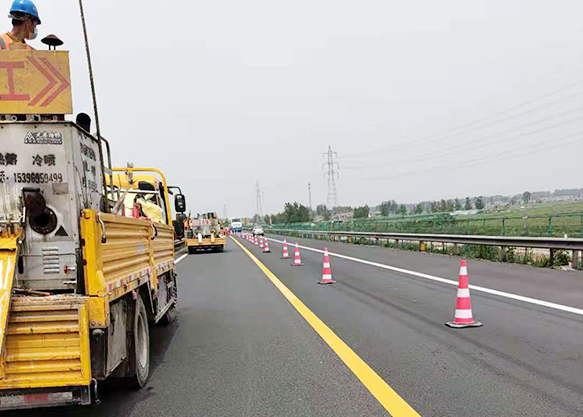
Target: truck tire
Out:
[139,346]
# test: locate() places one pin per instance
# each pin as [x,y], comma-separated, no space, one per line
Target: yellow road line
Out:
[388,398]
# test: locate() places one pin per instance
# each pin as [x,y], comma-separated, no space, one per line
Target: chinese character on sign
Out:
[37,160]
[2,160]
[93,170]
[11,159]
[50,160]
[85,166]
[2,176]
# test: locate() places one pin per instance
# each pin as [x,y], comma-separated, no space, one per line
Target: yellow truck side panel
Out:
[47,343]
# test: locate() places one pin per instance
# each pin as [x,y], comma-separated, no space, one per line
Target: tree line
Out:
[298,213]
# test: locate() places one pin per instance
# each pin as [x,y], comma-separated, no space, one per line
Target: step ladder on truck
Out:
[81,278]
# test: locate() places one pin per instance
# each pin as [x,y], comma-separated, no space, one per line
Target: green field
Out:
[556,219]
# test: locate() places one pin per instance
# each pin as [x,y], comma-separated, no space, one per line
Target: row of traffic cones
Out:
[263,243]
[463,316]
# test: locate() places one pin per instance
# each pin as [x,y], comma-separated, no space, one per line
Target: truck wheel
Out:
[140,346]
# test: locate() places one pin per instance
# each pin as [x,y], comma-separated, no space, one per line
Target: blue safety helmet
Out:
[26,7]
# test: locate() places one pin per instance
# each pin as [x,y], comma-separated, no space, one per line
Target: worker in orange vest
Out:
[25,20]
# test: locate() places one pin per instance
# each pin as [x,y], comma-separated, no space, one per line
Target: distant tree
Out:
[443,206]
[402,209]
[434,206]
[513,201]
[468,203]
[450,206]
[480,203]
[322,210]
[457,204]
[418,209]
[385,208]
[361,212]
[526,196]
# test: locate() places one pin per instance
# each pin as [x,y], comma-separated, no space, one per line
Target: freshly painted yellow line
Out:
[388,398]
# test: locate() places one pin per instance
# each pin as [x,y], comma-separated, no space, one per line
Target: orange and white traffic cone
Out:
[266,246]
[256,241]
[261,242]
[297,259]
[326,271]
[463,309]
[285,254]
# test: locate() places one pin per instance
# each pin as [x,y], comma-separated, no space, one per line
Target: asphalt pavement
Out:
[238,348]
[527,360]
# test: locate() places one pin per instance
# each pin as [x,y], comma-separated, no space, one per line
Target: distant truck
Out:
[205,232]
[236,225]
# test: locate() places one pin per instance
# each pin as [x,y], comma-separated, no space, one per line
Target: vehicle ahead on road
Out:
[205,232]
[236,225]
[258,231]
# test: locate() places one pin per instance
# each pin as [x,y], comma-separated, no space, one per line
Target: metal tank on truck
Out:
[82,277]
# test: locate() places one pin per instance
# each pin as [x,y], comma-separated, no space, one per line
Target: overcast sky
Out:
[421,99]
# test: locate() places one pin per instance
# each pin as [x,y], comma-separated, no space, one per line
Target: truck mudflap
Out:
[46,347]
[8,255]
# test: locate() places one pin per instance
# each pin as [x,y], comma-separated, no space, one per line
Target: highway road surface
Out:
[256,336]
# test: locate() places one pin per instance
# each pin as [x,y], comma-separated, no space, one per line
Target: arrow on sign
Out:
[51,81]
[63,80]
[50,85]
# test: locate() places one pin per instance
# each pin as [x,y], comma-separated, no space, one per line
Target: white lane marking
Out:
[522,298]
[181,258]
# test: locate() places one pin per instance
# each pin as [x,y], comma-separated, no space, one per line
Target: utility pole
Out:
[331,173]
[258,202]
[310,195]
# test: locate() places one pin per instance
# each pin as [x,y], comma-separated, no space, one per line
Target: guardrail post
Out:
[551,257]
[455,250]
[503,252]
[575,259]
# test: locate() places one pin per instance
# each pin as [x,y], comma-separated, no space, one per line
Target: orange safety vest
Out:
[6,40]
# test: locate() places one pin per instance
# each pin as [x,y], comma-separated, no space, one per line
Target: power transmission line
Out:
[332,166]
[455,130]
[535,147]
[485,142]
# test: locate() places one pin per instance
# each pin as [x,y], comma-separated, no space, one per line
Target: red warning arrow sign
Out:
[42,75]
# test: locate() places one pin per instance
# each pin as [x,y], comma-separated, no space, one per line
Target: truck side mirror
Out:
[180,203]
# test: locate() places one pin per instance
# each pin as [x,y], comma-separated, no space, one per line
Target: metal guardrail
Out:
[505,241]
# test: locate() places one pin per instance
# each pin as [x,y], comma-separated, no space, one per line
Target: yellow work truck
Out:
[81,277]
[205,232]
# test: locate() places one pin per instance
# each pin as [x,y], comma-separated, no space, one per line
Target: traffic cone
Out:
[463,309]
[326,271]
[285,254]
[261,242]
[297,259]
[266,247]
